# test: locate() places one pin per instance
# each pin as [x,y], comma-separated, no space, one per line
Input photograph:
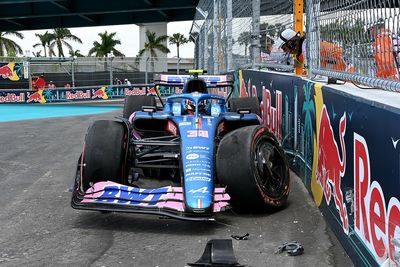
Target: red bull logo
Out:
[100,93]
[272,116]
[331,168]
[152,91]
[12,98]
[376,219]
[97,94]
[77,95]
[35,97]
[135,91]
[6,72]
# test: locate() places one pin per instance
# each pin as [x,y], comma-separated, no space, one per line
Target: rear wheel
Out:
[251,103]
[136,102]
[253,166]
[104,153]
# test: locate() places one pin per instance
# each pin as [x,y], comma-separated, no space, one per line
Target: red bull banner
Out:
[11,71]
[48,95]
[346,150]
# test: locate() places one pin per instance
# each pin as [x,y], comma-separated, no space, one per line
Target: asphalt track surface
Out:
[39,228]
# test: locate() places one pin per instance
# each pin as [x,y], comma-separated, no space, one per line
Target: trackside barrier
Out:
[345,147]
[77,94]
[90,93]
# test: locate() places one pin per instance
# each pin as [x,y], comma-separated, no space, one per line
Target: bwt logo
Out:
[331,168]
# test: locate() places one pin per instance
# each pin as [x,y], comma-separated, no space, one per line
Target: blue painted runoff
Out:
[18,112]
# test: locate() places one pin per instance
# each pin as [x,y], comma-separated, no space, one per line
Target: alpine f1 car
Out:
[212,146]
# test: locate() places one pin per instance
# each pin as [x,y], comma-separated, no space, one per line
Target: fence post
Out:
[310,30]
[298,27]
[73,71]
[229,34]
[146,73]
[215,38]
[200,45]
[205,53]
[255,36]
[29,73]
[111,70]
[177,65]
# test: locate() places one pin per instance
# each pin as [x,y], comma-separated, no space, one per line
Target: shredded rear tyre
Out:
[251,103]
[136,102]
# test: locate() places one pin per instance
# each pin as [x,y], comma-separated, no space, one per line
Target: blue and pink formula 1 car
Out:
[212,146]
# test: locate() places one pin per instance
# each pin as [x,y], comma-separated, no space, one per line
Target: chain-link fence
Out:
[240,33]
[362,33]
[86,71]
[351,40]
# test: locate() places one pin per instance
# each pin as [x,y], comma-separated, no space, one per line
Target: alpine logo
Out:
[203,190]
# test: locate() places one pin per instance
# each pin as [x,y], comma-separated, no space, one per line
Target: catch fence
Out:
[349,40]
[86,71]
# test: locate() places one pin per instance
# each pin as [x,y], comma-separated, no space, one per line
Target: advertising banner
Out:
[69,95]
[346,150]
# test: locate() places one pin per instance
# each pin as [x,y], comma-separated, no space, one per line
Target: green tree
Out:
[244,39]
[8,46]
[178,40]
[106,45]
[271,30]
[153,44]
[37,54]
[59,37]
[76,53]
[45,40]
[344,32]
[279,28]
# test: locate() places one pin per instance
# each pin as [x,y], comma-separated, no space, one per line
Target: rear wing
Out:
[179,80]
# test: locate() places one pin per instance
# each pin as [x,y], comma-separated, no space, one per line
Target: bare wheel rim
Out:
[269,169]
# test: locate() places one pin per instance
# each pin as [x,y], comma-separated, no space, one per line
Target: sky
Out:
[127,34]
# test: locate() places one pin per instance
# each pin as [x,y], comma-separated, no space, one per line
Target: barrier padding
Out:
[345,147]
[70,95]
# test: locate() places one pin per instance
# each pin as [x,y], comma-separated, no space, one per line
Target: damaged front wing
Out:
[164,201]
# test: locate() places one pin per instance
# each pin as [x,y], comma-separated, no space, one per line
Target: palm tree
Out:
[106,46]
[178,39]
[76,53]
[45,40]
[244,39]
[279,28]
[37,54]
[58,40]
[9,46]
[153,44]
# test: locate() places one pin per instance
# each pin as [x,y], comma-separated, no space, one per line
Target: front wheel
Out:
[104,154]
[253,166]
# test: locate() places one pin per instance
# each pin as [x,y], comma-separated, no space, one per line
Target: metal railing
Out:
[364,33]
[236,34]
[350,40]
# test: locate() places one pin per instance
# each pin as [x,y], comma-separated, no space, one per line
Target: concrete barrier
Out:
[343,142]
[77,94]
